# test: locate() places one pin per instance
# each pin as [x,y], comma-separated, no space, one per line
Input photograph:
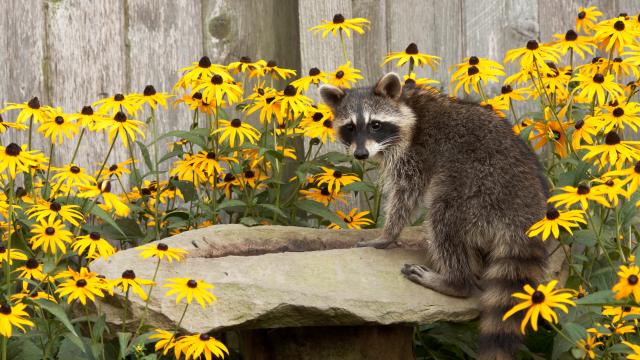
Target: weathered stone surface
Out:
[343,286]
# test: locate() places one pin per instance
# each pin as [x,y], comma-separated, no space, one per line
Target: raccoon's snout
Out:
[361,153]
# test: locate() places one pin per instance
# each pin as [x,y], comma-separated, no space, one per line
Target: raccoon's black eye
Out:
[375,125]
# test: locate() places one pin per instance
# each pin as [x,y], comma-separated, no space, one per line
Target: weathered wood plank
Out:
[86,61]
[163,36]
[369,50]
[557,17]
[22,76]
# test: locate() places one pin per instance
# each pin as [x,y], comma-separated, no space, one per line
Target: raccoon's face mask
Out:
[367,121]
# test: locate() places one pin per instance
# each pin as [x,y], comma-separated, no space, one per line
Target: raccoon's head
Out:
[370,121]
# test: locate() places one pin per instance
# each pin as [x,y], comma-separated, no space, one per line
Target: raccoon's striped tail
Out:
[512,265]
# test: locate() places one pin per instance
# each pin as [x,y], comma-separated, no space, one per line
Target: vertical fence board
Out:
[557,17]
[22,35]
[369,50]
[86,61]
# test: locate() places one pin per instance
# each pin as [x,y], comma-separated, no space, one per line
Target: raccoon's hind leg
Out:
[451,270]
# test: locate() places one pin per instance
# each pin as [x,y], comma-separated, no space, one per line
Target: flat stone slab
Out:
[347,286]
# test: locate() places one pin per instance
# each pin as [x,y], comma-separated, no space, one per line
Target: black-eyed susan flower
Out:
[30,110]
[165,340]
[16,158]
[128,281]
[598,85]
[122,126]
[198,345]
[630,176]
[153,98]
[244,64]
[195,102]
[616,32]
[86,286]
[287,152]
[292,102]
[8,255]
[315,77]
[533,54]
[72,175]
[117,170]
[624,68]
[354,219]
[200,70]
[574,42]
[620,312]
[499,105]
[10,125]
[93,246]
[88,118]
[50,235]
[611,187]
[321,130]
[410,79]
[583,131]
[236,130]
[588,346]
[554,220]
[472,71]
[555,81]
[216,90]
[334,179]
[323,195]
[187,170]
[190,289]
[413,57]
[553,132]
[208,162]
[51,209]
[161,251]
[111,201]
[32,295]
[269,105]
[31,269]
[118,103]
[581,194]
[13,315]
[344,76]
[271,68]
[59,125]
[253,179]
[627,283]
[636,350]
[540,302]
[618,116]
[227,182]
[614,151]
[339,24]
[587,18]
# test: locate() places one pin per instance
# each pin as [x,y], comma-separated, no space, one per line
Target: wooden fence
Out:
[70,53]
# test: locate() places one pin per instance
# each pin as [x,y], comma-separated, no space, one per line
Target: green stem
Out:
[146,305]
[7,265]
[75,152]
[124,313]
[157,170]
[344,47]
[561,333]
[30,132]
[104,163]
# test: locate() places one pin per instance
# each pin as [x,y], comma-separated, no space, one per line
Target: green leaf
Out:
[584,237]
[597,298]
[574,331]
[359,186]
[57,311]
[274,209]
[145,155]
[319,209]
[123,341]
[192,136]
[230,203]
[187,190]
[97,211]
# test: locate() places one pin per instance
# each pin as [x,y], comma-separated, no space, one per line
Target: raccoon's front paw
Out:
[378,243]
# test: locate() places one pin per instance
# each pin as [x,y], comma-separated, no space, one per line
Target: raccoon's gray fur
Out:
[482,185]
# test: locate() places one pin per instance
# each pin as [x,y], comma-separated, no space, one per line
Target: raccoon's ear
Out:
[331,95]
[389,85]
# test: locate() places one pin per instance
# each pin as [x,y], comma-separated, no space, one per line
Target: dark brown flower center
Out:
[583,189]
[13,149]
[95,236]
[5,309]
[612,138]
[272,63]
[472,70]
[204,62]
[74,169]
[532,45]
[506,89]
[553,214]
[337,174]
[3,249]
[49,231]
[197,96]
[192,283]
[260,91]
[32,263]
[632,279]
[34,103]
[617,112]
[617,60]
[87,110]
[626,308]
[20,192]
[249,174]
[118,97]
[236,123]
[582,15]
[317,116]
[149,90]
[245,59]
[598,79]
[537,297]
[338,19]
[325,192]
[610,183]
[211,155]
[571,36]
[619,25]
[340,74]
[162,247]
[81,283]
[314,71]
[128,274]
[473,60]
[105,186]
[204,337]
[412,49]
[59,120]
[120,117]
[328,124]
[55,206]
[579,124]
[145,191]
[290,90]
[113,167]
[217,79]
[636,168]
[229,177]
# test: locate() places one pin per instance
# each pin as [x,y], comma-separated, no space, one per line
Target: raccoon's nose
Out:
[361,154]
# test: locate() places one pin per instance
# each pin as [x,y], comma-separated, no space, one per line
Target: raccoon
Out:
[482,185]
